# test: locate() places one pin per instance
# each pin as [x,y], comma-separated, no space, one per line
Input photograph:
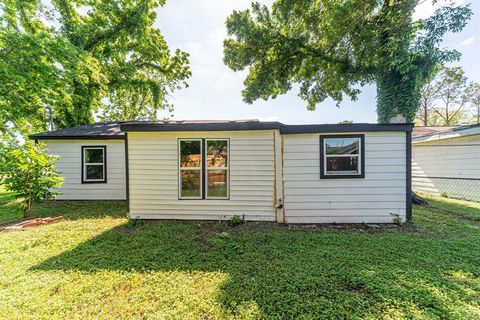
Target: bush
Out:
[235,220]
[29,172]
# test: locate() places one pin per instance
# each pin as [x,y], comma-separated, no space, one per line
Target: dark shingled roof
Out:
[116,130]
[100,130]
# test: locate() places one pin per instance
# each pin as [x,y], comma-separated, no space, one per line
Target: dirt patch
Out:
[29,223]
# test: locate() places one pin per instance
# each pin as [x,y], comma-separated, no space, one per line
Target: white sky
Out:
[214,92]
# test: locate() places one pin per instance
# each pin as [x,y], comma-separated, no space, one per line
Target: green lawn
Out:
[9,210]
[105,267]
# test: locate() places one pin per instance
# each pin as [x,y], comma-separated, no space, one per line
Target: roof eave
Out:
[234,126]
[284,129]
[354,127]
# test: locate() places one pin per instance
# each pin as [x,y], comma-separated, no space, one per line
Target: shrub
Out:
[235,220]
[29,172]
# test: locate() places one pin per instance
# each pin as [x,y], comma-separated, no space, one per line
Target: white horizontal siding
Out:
[377,198]
[69,165]
[447,158]
[153,171]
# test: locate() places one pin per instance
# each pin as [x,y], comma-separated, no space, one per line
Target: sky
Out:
[214,92]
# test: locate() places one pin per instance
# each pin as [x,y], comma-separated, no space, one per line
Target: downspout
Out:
[278,170]
[408,142]
[127,180]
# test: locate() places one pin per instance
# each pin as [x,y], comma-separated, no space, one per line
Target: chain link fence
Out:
[459,188]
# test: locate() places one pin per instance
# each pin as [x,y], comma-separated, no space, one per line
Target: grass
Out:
[9,208]
[105,267]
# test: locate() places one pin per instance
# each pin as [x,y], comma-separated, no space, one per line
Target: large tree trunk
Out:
[397,95]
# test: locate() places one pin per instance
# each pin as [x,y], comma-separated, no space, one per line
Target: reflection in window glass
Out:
[94,155]
[190,153]
[93,159]
[217,153]
[94,172]
[190,183]
[217,184]
[342,145]
[345,164]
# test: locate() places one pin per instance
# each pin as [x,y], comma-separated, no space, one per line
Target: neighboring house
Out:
[262,171]
[446,161]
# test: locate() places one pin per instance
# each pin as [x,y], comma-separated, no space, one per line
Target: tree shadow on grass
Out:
[291,273]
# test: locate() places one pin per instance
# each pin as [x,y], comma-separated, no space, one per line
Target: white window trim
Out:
[227,168]
[339,173]
[180,168]
[85,164]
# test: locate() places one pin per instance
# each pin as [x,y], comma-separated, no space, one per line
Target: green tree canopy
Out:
[28,171]
[84,57]
[330,48]
[447,99]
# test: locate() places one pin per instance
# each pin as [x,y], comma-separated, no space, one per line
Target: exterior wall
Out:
[153,176]
[70,166]
[377,198]
[448,166]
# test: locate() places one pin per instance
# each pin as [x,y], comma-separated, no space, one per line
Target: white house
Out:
[446,160]
[261,171]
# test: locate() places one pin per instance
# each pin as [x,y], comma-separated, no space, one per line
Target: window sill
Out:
[342,176]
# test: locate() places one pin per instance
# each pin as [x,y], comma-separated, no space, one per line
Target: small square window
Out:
[342,156]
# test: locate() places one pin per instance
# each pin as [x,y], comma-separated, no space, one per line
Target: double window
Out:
[94,164]
[203,168]
[342,156]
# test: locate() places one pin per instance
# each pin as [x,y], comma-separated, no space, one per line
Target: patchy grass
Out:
[9,207]
[109,268]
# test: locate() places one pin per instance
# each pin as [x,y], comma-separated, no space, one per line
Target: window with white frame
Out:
[203,168]
[342,156]
[94,168]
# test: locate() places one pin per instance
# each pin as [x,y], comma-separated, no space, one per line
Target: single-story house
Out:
[260,171]
[446,161]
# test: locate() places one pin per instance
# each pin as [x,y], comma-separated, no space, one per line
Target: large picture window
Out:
[94,168]
[342,156]
[203,168]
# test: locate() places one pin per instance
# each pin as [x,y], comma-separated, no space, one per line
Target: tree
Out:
[429,95]
[475,102]
[329,48]
[29,172]
[83,58]
[453,95]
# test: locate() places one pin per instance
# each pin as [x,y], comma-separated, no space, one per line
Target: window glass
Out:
[343,164]
[342,156]
[94,172]
[203,168]
[217,153]
[342,145]
[190,183]
[94,155]
[217,183]
[190,153]
[93,159]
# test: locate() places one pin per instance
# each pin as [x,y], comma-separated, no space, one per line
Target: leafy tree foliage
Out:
[330,48]
[29,172]
[475,103]
[84,57]
[446,99]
